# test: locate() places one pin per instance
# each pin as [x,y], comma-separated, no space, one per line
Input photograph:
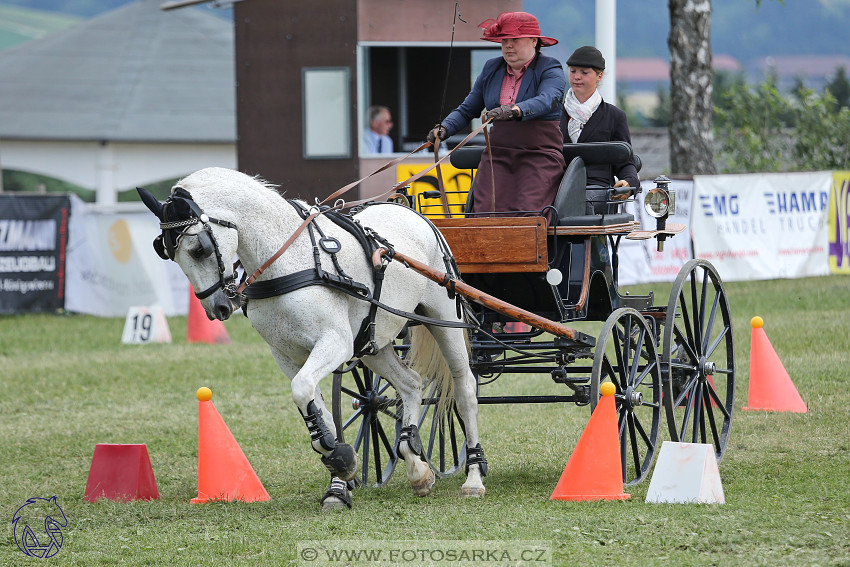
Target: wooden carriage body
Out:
[511,257]
[675,359]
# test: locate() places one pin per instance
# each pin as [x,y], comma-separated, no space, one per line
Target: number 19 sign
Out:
[146,325]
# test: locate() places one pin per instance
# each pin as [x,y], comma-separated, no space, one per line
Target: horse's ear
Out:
[150,202]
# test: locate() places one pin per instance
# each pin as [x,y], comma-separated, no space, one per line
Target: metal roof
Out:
[135,74]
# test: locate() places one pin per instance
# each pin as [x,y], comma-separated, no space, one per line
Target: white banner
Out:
[112,266]
[762,225]
[640,260]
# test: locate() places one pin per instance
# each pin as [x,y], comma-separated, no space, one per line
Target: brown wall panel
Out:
[275,40]
[426,20]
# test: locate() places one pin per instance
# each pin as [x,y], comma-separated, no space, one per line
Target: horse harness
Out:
[181,212]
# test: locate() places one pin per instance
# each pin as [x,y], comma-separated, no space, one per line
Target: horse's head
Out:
[201,245]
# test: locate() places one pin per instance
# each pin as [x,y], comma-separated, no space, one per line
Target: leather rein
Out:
[322,206]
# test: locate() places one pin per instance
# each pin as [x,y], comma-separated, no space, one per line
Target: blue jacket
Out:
[540,94]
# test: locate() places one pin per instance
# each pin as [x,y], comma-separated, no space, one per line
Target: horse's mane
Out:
[217,175]
[267,184]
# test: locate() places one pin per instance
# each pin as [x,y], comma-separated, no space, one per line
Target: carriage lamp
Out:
[660,203]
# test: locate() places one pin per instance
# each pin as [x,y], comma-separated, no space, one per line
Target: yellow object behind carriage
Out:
[456,182]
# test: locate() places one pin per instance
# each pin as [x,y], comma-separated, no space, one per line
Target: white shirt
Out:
[374,143]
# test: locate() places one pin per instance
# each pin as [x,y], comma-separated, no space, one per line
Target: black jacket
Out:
[607,124]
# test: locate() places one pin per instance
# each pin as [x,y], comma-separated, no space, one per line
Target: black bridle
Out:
[179,213]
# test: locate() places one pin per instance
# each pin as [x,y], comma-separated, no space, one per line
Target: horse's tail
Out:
[426,359]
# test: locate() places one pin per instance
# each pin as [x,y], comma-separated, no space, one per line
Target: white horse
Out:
[215,214]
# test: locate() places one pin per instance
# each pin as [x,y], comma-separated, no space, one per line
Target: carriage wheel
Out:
[698,358]
[625,354]
[443,436]
[373,423]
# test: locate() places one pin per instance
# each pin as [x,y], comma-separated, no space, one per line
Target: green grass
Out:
[67,383]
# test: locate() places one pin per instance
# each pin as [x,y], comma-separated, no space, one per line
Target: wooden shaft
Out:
[478,296]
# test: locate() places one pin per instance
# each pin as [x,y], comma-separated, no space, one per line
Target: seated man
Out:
[376,139]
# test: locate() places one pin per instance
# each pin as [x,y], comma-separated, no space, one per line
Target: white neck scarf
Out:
[579,112]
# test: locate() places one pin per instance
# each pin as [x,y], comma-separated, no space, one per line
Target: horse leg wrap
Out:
[318,428]
[341,462]
[475,456]
[338,489]
[410,433]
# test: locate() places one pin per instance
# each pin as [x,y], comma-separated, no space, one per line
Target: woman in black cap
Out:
[588,118]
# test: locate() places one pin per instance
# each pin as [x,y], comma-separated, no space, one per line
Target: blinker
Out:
[159,247]
[207,246]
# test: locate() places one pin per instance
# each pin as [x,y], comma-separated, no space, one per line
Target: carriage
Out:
[405,385]
[671,361]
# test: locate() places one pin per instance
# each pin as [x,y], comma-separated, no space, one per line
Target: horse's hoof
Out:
[342,461]
[334,503]
[423,486]
[472,491]
[337,496]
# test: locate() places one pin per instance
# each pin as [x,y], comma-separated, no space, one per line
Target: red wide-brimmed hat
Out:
[513,25]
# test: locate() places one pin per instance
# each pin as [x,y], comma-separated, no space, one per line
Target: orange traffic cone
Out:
[594,470]
[224,472]
[771,388]
[199,327]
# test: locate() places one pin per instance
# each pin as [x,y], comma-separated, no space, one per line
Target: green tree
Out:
[751,130]
[822,135]
[760,130]
[24,182]
[839,88]
[724,81]
[799,90]
[660,117]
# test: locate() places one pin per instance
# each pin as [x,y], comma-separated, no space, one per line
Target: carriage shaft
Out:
[477,295]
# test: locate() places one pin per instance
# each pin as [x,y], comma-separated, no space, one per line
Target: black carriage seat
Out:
[571,201]
[576,203]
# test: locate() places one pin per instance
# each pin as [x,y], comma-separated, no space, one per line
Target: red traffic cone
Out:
[121,472]
[594,470]
[200,329]
[771,389]
[224,472]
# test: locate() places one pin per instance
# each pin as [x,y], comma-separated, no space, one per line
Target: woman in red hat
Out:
[522,92]
[588,118]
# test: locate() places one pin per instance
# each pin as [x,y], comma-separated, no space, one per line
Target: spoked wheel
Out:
[443,436]
[373,423]
[626,355]
[698,358]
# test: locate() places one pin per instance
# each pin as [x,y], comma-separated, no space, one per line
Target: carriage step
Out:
[561,376]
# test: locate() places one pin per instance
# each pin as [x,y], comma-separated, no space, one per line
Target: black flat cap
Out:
[587,56]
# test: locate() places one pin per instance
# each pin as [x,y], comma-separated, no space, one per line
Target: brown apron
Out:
[528,164]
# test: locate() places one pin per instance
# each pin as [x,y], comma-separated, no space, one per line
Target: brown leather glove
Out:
[504,112]
[439,131]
